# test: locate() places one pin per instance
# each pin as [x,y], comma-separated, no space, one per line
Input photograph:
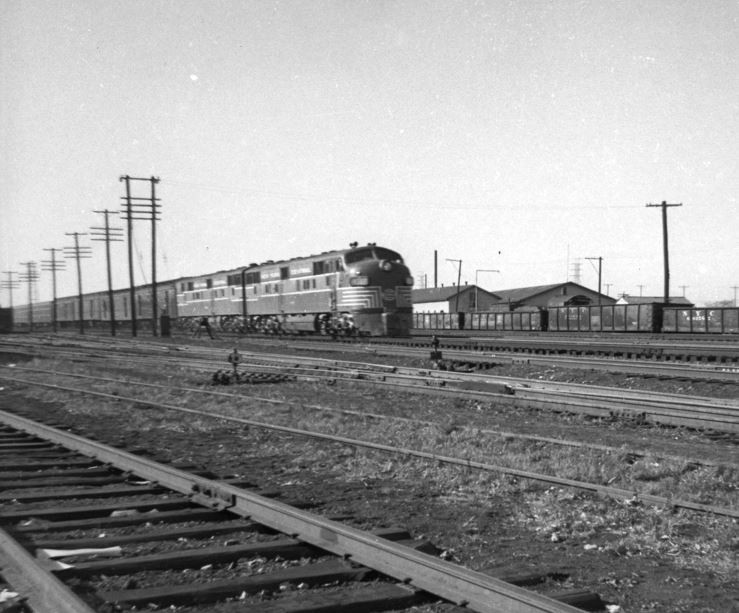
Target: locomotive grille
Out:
[353,298]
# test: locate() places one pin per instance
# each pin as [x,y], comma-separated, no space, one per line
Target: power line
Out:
[53,265]
[10,284]
[142,209]
[108,235]
[600,268]
[459,277]
[29,276]
[79,253]
[663,205]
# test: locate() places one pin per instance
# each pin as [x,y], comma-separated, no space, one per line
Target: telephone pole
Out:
[10,284]
[663,205]
[459,276]
[30,276]
[78,253]
[53,265]
[600,269]
[108,235]
[143,209]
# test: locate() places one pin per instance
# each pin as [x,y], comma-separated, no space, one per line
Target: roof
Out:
[439,294]
[651,299]
[522,293]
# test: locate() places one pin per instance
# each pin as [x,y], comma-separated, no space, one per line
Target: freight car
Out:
[651,318]
[356,291]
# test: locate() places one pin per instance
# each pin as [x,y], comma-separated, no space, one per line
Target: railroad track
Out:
[483,359]
[724,350]
[629,494]
[480,358]
[721,415]
[86,526]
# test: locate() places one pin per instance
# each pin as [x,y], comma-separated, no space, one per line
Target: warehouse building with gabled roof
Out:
[453,298]
[471,298]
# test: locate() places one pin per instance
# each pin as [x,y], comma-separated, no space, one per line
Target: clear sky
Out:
[521,136]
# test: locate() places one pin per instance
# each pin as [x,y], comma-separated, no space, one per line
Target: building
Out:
[471,298]
[678,301]
[453,298]
[554,295]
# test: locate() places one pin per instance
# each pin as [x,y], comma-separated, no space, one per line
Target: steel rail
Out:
[670,409]
[467,463]
[407,373]
[475,590]
[673,409]
[726,374]
[41,590]
[381,416]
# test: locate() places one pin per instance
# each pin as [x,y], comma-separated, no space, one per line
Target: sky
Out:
[523,137]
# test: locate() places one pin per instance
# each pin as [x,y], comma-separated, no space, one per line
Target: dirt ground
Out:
[639,558]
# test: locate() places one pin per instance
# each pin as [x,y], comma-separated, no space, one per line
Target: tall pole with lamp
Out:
[479,270]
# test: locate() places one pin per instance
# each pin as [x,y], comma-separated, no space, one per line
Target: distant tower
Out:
[575,275]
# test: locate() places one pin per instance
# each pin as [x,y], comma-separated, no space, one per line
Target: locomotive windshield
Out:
[386,254]
[359,255]
[372,253]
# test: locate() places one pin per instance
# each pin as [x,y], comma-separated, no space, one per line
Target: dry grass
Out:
[690,540]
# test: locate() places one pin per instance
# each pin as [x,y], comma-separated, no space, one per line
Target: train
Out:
[653,318]
[358,291]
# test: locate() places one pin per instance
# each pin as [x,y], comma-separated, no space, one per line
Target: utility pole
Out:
[143,209]
[735,287]
[600,269]
[53,265]
[663,205]
[641,287]
[10,284]
[477,305]
[608,288]
[683,287]
[459,276]
[78,253]
[108,235]
[30,276]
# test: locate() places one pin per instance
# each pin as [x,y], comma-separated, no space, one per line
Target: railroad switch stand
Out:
[234,358]
[435,353]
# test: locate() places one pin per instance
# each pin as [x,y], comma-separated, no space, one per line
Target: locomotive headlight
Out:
[386,266]
[359,280]
[409,281]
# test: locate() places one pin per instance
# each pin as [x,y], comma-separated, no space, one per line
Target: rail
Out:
[475,590]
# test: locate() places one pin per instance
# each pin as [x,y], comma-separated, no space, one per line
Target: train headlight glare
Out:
[409,281]
[360,280]
[386,266]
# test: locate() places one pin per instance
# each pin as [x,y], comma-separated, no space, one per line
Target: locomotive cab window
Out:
[386,254]
[359,255]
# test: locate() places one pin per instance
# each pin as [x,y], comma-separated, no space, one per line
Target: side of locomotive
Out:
[360,290]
